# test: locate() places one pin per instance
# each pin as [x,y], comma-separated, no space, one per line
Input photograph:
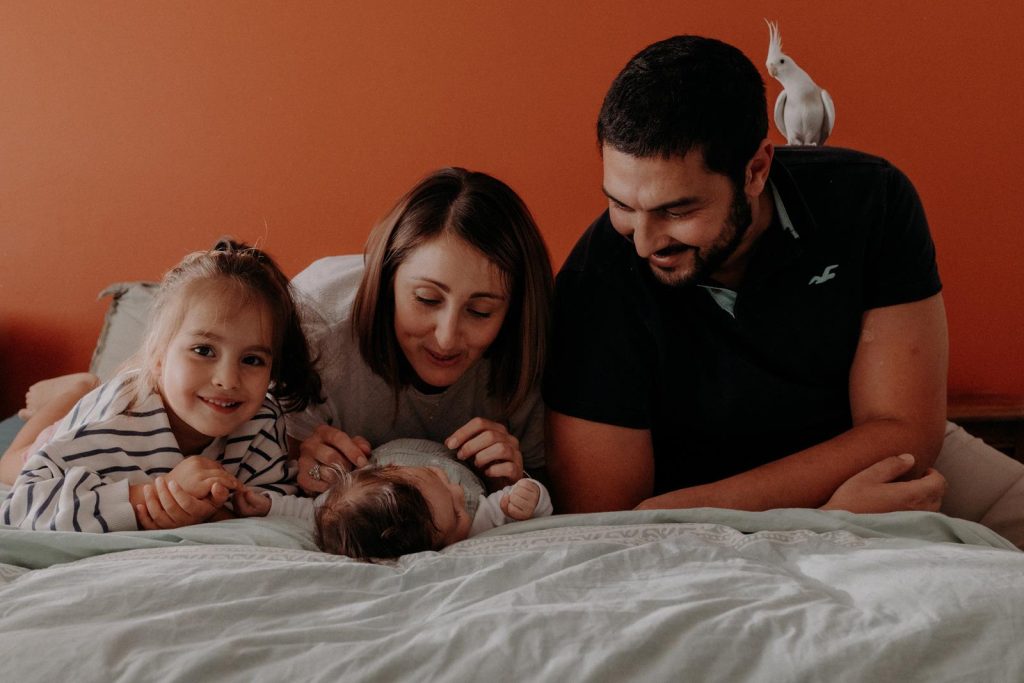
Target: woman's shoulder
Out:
[327,278]
[326,290]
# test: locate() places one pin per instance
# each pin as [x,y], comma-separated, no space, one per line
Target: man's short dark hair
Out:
[684,93]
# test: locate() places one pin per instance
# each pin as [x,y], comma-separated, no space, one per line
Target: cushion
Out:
[123,327]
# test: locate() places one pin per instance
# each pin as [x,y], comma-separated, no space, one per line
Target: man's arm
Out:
[897,396]
[594,467]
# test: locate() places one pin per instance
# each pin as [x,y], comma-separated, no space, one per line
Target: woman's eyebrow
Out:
[447,290]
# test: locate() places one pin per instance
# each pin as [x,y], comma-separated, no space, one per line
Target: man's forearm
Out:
[809,478]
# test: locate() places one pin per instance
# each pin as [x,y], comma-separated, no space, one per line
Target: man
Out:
[745,327]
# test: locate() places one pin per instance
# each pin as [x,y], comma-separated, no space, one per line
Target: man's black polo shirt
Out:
[722,393]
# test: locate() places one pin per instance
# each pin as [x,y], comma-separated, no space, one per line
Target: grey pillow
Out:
[123,327]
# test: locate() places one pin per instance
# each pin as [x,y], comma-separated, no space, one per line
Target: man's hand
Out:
[522,500]
[877,489]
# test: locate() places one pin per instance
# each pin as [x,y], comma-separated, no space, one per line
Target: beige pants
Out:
[984,485]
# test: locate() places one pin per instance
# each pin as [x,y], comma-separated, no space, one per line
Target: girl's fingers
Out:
[219,495]
[167,502]
[193,509]
[142,516]
[155,509]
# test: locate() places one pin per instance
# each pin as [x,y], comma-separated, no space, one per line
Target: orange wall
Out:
[132,132]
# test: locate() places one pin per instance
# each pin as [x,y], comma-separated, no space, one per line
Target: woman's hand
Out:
[329,447]
[490,449]
[878,489]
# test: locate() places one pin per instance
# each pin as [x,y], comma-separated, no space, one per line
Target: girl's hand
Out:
[491,450]
[328,447]
[250,503]
[198,476]
[522,500]
[166,505]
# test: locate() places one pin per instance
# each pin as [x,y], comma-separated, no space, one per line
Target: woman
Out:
[437,332]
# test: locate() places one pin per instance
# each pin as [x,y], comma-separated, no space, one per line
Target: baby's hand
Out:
[204,479]
[522,500]
[249,503]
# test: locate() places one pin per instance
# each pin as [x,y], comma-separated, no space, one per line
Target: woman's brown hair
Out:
[488,215]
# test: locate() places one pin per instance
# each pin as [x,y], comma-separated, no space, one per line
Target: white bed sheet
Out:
[679,595]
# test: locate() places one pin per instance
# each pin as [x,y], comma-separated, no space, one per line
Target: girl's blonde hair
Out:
[242,275]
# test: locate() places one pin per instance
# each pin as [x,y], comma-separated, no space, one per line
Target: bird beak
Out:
[771,70]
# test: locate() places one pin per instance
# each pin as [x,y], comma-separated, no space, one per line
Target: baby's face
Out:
[446,500]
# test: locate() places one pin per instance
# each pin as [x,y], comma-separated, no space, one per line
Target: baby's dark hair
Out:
[246,273]
[374,513]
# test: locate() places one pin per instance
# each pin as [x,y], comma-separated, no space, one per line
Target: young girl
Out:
[166,442]
[414,496]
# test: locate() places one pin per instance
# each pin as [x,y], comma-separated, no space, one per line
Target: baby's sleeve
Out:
[291,506]
[489,514]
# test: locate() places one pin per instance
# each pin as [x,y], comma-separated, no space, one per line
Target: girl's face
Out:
[216,369]
[450,303]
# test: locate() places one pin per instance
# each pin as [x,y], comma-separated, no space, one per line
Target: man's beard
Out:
[709,259]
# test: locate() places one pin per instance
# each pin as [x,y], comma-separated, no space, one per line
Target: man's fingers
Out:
[890,469]
[933,489]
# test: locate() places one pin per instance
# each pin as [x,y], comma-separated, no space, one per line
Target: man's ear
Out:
[756,175]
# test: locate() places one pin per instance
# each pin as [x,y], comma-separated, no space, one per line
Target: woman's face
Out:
[450,302]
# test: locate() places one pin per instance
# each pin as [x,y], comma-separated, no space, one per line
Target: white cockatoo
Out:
[804,113]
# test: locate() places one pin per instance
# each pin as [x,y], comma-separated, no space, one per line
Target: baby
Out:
[414,496]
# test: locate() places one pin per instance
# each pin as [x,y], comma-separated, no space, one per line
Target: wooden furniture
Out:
[996,418]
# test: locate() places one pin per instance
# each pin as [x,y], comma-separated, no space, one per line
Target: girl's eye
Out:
[618,205]
[254,360]
[480,314]
[427,301]
[204,351]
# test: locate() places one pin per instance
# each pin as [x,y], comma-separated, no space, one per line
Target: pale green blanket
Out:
[706,595]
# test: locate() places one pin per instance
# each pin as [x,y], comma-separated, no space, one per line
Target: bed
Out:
[706,594]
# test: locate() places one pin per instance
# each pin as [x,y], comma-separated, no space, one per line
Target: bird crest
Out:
[774,41]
